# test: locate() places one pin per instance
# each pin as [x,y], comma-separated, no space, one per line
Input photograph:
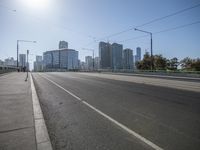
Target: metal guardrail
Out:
[6,69]
[134,71]
[149,72]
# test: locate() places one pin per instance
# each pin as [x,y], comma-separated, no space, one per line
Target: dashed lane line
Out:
[141,138]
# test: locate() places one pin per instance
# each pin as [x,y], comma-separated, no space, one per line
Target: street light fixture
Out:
[151,45]
[18,48]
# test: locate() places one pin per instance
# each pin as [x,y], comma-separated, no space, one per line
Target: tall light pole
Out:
[18,49]
[151,45]
[92,54]
[27,66]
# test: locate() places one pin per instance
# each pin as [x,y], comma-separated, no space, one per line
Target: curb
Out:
[42,136]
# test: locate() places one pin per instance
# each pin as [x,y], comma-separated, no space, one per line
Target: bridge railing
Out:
[6,69]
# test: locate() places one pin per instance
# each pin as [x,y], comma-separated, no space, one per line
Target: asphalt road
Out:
[76,108]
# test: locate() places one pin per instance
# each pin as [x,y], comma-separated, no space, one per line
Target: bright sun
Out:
[36,4]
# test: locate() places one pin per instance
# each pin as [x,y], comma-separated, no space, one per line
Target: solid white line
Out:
[41,133]
[154,146]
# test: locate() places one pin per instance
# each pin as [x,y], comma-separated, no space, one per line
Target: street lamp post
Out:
[27,66]
[151,45]
[18,49]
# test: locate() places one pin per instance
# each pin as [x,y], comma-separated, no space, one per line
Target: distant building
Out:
[105,55]
[47,60]
[79,64]
[128,58]
[61,59]
[1,63]
[138,54]
[10,62]
[96,63]
[72,58]
[38,58]
[55,58]
[110,56]
[38,64]
[22,60]
[116,56]
[83,65]
[63,44]
[89,62]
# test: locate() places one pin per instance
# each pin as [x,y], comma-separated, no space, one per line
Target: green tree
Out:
[144,64]
[190,64]
[172,64]
[186,63]
[160,62]
[196,64]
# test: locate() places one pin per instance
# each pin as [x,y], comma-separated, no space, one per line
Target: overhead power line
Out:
[152,21]
[178,27]
[166,30]
[170,15]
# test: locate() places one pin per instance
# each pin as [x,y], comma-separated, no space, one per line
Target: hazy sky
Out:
[82,22]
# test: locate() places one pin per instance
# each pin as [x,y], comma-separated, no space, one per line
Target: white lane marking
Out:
[41,133]
[151,144]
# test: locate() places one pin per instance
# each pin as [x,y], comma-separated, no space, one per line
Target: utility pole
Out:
[150,33]
[17,54]
[27,66]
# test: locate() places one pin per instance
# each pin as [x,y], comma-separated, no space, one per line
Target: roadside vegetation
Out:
[160,63]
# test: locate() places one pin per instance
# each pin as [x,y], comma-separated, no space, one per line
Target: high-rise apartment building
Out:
[105,55]
[138,54]
[110,56]
[22,60]
[63,44]
[96,63]
[116,56]
[128,58]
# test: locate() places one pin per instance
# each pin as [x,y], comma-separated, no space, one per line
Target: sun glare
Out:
[36,4]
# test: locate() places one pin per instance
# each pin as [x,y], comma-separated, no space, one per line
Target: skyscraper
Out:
[38,64]
[96,63]
[63,44]
[138,54]
[128,58]
[116,57]
[105,55]
[22,60]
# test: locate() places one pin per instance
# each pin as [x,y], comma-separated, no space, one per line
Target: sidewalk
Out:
[17,129]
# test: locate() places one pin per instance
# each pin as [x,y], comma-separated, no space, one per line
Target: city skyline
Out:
[89,24]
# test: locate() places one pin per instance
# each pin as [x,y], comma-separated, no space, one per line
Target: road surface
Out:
[87,111]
